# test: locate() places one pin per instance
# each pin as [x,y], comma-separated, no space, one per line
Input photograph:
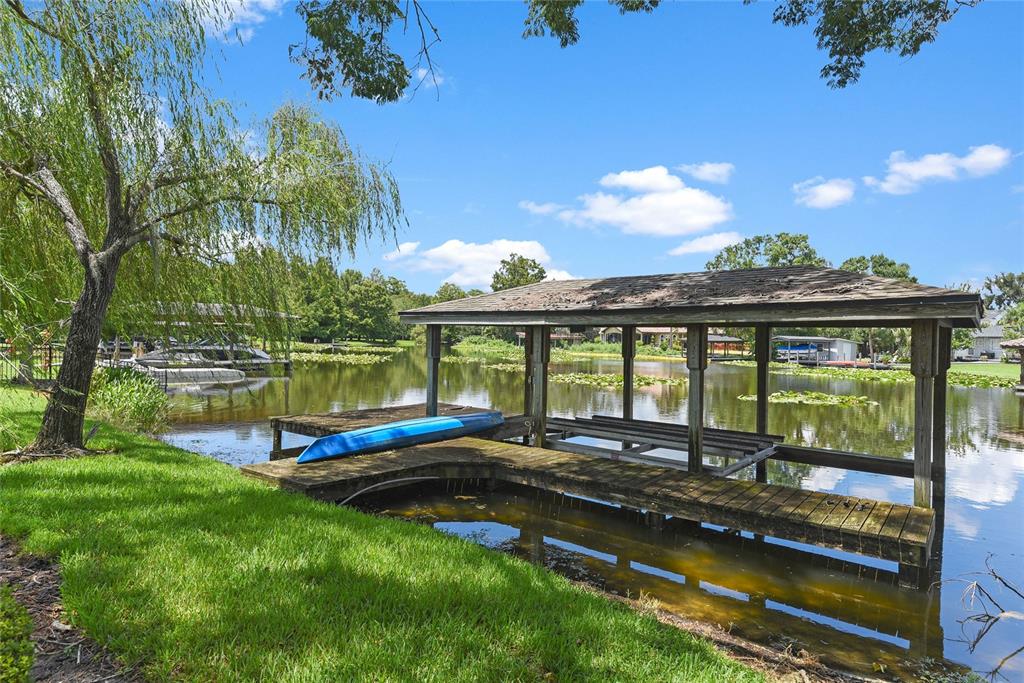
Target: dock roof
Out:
[796,294]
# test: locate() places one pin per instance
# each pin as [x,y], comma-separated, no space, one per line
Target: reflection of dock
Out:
[895,532]
[859,610]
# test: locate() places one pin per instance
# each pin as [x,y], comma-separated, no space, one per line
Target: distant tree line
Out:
[1002,294]
[349,305]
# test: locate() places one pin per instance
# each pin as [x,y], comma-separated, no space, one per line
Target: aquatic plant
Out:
[959,378]
[607,380]
[970,379]
[128,398]
[813,398]
[461,360]
[342,358]
[507,367]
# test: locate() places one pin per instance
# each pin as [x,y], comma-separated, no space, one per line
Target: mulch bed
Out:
[62,652]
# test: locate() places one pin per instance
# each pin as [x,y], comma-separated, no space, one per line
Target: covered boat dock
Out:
[629,466]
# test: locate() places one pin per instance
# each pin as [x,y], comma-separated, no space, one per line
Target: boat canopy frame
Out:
[762,298]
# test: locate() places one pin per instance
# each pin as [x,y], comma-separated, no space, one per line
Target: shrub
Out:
[15,639]
[128,398]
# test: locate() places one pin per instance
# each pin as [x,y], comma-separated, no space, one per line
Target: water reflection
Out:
[849,614]
[983,513]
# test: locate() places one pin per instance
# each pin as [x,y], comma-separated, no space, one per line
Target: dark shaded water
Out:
[839,607]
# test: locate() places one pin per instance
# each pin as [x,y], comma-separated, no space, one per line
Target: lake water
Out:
[844,609]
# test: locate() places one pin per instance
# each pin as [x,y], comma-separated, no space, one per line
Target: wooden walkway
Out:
[889,531]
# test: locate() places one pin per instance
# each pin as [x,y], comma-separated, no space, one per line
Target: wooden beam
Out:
[677,437]
[282,453]
[564,446]
[676,427]
[762,356]
[944,354]
[540,354]
[753,459]
[628,354]
[834,314]
[845,460]
[696,363]
[576,427]
[924,367]
[433,366]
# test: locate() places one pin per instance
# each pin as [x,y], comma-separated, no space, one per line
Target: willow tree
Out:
[117,165]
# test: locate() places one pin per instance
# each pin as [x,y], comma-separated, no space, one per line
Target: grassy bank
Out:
[180,564]
[1010,371]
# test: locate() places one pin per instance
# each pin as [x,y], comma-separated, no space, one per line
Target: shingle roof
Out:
[793,294]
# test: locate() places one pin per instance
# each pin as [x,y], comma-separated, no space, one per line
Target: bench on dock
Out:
[638,437]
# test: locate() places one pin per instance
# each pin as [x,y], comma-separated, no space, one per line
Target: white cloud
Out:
[556,274]
[707,244]
[653,179]
[423,75]
[544,209]
[404,250]
[709,171]
[237,19]
[662,205]
[679,212]
[471,264]
[985,160]
[905,175]
[818,193]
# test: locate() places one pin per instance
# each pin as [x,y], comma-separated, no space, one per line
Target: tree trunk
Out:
[64,416]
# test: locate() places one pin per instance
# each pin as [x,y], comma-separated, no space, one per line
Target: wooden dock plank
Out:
[876,520]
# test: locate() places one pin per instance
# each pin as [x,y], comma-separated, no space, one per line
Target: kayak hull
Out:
[398,435]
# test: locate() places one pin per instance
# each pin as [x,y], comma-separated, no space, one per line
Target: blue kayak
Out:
[398,434]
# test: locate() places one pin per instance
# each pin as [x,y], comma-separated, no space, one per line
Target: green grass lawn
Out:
[181,565]
[1004,370]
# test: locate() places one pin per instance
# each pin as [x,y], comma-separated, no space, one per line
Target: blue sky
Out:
[592,158]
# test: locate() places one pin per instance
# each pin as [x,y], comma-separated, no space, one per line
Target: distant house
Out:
[986,342]
[646,335]
[814,349]
[560,336]
[675,336]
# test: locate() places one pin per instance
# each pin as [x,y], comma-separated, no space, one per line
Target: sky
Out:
[659,139]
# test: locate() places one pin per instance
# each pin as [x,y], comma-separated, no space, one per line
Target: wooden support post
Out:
[433,366]
[944,353]
[696,363]
[277,440]
[528,380]
[924,366]
[762,355]
[628,354]
[654,520]
[540,354]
